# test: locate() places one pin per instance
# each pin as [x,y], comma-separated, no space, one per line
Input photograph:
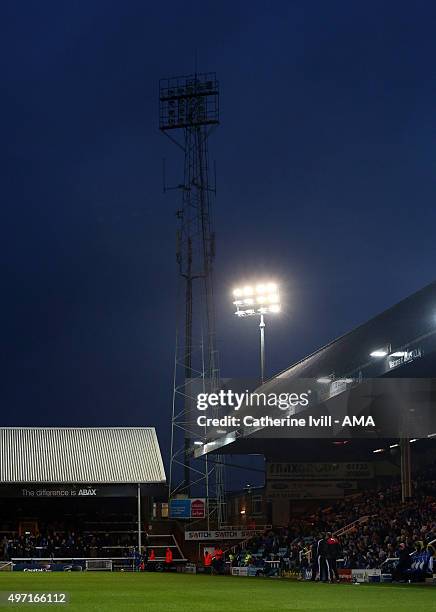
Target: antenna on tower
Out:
[189,111]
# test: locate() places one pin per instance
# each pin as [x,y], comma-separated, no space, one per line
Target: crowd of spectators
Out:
[380,527]
[67,544]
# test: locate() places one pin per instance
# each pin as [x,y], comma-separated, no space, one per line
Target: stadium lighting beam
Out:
[381,352]
[258,300]
[325,380]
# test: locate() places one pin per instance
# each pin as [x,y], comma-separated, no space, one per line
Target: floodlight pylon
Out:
[189,111]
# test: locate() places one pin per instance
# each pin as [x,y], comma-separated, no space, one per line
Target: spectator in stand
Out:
[5,548]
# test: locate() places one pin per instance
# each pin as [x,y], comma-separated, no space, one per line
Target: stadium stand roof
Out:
[408,325]
[70,455]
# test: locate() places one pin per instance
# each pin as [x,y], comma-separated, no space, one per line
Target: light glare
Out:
[260,298]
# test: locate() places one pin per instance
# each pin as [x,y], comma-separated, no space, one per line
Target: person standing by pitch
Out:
[321,550]
[333,552]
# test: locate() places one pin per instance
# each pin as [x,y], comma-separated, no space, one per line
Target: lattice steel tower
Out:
[189,111]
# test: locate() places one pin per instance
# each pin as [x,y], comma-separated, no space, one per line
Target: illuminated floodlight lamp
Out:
[198,443]
[261,298]
[393,445]
[398,354]
[264,298]
[413,440]
[379,353]
[379,450]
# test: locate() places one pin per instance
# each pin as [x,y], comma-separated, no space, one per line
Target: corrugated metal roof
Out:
[75,455]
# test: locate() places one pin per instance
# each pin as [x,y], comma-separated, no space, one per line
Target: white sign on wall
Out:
[239,571]
[320,471]
[309,489]
[238,534]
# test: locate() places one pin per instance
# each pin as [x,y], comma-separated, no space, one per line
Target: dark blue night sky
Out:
[326,162]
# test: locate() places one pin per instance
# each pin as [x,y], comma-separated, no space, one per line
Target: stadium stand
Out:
[374,527]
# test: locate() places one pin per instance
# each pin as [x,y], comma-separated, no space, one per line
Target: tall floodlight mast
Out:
[189,111]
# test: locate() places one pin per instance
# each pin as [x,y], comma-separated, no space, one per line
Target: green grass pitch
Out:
[106,592]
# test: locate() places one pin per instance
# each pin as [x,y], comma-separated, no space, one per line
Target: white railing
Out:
[350,526]
[243,544]
[174,544]
[245,527]
[52,559]
[340,532]
[6,566]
